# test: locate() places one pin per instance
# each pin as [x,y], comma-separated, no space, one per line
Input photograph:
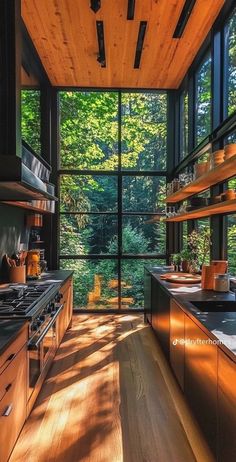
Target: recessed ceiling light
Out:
[131,7]
[95,5]
[184,17]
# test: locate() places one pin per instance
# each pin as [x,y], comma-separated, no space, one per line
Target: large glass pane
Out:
[89,130]
[144,193]
[183,124]
[203,100]
[31,119]
[95,283]
[132,276]
[203,224]
[231,243]
[87,193]
[88,234]
[230,55]
[144,131]
[141,236]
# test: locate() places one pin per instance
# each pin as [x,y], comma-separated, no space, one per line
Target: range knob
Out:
[34,326]
[50,308]
[58,297]
[42,317]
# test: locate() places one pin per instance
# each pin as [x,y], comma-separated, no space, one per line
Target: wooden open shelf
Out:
[221,173]
[221,207]
[34,205]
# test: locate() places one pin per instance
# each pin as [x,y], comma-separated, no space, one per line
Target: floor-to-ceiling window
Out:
[112,181]
[203,100]
[230,65]
[184,124]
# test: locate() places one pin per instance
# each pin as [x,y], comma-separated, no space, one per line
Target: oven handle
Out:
[34,345]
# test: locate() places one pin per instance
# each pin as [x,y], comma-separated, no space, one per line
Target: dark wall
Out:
[12,231]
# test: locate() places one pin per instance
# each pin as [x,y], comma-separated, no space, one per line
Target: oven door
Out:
[41,350]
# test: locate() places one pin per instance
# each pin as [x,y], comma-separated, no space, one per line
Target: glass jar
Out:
[221,283]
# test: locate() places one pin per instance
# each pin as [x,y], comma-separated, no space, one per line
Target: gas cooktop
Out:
[23,300]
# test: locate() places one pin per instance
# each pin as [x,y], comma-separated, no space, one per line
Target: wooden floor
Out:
[110,397]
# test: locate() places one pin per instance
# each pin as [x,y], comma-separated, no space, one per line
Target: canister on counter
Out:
[221,283]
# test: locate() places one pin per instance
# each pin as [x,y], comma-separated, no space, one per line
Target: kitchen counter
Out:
[219,326]
[9,330]
[59,276]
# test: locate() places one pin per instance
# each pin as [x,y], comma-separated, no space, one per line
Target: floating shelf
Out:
[34,205]
[221,173]
[221,207]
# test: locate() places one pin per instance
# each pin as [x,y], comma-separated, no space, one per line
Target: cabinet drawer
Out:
[227,408]
[10,353]
[12,403]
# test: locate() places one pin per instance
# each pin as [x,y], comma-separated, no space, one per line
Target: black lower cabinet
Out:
[177,341]
[161,316]
[147,296]
[226,408]
[200,382]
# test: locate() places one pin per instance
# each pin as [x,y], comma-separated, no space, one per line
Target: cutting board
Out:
[182,278]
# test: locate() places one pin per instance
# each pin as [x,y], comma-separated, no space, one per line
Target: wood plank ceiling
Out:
[65,36]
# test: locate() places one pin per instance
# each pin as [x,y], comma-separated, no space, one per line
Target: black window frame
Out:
[120,174]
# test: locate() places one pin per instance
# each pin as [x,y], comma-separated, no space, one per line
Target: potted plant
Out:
[199,243]
[176,260]
[186,258]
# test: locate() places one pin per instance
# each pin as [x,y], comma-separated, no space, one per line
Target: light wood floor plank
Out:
[106,399]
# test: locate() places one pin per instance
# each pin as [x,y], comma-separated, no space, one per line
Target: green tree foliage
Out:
[230,31]
[31,119]
[203,100]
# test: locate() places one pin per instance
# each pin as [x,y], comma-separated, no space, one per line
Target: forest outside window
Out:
[112,182]
[230,65]
[184,123]
[89,130]
[203,100]
[31,118]
[143,131]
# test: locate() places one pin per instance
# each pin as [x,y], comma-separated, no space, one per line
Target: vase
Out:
[185,266]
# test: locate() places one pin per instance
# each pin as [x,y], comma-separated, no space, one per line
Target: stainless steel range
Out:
[40,304]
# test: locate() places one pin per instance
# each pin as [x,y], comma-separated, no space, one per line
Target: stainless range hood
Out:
[25,179]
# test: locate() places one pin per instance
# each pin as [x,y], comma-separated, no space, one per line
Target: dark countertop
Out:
[9,330]
[60,276]
[219,326]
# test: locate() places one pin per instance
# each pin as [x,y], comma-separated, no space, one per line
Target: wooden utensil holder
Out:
[17,274]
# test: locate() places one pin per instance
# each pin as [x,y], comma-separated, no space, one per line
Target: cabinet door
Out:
[227,408]
[161,316]
[65,316]
[201,379]
[13,382]
[147,296]
[177,341]
[154,303]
